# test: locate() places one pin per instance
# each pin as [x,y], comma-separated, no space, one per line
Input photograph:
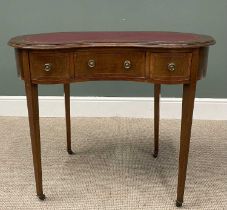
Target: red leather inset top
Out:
[69,37]
[82,38]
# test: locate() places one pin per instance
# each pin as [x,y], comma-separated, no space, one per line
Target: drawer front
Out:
[169,67]
[110,64]
[51,66]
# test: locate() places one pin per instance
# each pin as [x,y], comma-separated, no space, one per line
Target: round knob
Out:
[127,64]
[171,66]
[91,63]
[47,67]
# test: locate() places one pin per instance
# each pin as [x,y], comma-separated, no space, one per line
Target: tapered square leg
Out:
[67,117]
[186,124]
[33,112]
[157,90]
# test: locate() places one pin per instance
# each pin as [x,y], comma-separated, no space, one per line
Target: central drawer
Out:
[110,64]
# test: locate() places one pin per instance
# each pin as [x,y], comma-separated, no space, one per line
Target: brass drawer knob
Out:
[171,66]
[127,64]
[91,63]
[47,67]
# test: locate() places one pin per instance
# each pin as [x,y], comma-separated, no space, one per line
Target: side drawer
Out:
[167,67]
[51,66]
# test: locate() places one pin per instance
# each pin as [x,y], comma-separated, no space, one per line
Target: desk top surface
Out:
[156,39]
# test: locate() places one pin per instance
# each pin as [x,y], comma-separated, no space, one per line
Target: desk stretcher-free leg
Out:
[157,90]
[186,124]
[67,117]
[33,112]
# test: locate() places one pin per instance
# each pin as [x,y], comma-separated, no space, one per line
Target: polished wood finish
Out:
[186,123]
[61,66]
[203,60]
[147,65]
[153,57]
[110,63]
[159,66]
[157,91]
[67,117]
[33,112]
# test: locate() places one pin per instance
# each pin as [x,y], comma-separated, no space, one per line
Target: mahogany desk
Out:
[153,57]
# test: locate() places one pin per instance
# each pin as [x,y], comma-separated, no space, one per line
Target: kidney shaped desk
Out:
[153,57]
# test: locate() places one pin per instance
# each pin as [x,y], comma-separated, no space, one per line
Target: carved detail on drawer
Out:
[110,64]
[167,67]
[51,66]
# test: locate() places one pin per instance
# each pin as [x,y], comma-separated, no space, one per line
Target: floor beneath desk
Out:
[113,167]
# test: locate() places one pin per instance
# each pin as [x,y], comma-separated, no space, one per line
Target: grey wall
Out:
[32,16]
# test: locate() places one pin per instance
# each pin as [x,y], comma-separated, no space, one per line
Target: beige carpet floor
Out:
[113,167]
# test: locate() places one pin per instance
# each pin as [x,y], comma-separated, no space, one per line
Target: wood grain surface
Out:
[154,57]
